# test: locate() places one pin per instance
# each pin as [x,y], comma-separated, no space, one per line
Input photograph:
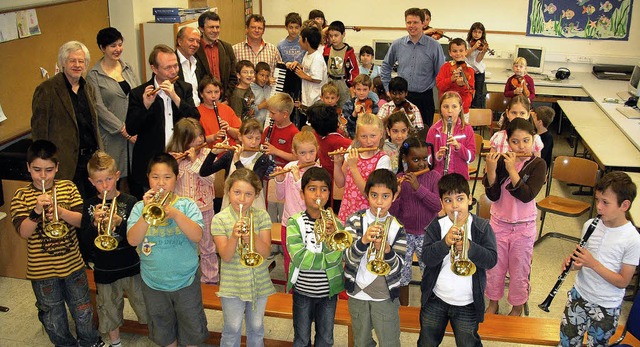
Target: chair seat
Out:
[563,206]
[486,145]
[472,170]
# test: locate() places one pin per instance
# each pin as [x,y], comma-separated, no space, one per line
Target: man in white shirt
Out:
[188,40]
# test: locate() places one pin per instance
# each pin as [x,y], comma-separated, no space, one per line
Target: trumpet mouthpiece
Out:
[455,217]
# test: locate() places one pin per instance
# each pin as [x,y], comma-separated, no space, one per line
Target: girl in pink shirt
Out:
[518,107]
[461,143]
[512,183]
[188,135]
[305,148]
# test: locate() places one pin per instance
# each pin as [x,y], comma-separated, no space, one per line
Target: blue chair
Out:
[633,323]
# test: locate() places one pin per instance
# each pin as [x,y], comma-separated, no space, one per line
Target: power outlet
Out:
[584,59]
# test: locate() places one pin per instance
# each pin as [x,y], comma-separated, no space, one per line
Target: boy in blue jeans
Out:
[373,299]
[169,259]
[446,296]
[316,271]
[54,265]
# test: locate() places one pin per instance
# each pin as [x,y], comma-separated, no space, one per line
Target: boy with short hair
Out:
[398,90]
[316,271]
[342,65]
[447,297]
[116,267]
[312,70]
[373,298]
[282,131]
[542,118]
[169,259]
[54,264]
[329,96]
[366,66]
[261,90]
[242,100]
[360,104]
[456,76]
[605,266]
[289,48]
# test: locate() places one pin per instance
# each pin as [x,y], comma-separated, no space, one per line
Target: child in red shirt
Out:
[277,137]
[457,76]
[218,120]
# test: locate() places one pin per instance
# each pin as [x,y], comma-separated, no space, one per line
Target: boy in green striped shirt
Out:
[316,273]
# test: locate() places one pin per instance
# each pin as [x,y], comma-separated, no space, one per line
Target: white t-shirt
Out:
[453,289]
[471,61]
[313,65]
[612,247]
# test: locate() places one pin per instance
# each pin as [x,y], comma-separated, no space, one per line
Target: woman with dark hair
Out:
[112,80]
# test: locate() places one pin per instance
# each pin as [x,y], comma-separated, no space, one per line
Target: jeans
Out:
[307,310]
[51,295]
[434,316]
[233,311]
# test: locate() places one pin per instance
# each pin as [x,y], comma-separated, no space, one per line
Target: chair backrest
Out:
[575,170]
[496,102]
[479,142]
[484,207]
[479,117]
[436,117]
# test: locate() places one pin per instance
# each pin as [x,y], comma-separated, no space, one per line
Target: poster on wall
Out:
[580,19]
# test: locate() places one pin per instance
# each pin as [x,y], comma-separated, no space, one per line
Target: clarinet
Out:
[447,154]
[547,302]
[267,139]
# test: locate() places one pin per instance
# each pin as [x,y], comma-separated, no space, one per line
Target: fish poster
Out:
[581,19]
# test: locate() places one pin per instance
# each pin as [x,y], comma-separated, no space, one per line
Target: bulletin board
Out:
[20,60]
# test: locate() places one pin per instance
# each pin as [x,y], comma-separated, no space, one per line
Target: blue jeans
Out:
[233,311]
[434,316]
[307,310]
[51,295]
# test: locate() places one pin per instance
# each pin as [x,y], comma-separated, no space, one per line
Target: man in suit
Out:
[64,112]
[188,42]
[152,116]
[215,56]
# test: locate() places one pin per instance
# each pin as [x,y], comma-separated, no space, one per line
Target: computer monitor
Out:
[445,50]
[534,57]
[633,82]
[380,49]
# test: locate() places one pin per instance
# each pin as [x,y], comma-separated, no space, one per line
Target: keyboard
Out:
[629,112]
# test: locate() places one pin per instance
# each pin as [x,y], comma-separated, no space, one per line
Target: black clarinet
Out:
[267,139]
[547,302]
[215,109]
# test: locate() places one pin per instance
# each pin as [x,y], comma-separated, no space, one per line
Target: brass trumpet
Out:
[248,255]
[105,240]
[377,265]
[339,240]
[460,263]
[55,229]
[153,213]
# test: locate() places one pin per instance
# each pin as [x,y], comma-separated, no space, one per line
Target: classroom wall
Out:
[510,18]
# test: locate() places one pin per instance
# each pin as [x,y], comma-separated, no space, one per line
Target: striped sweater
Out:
[356,224]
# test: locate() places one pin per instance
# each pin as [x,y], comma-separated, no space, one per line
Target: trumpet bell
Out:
[379,267]
[251,259]
[340,241]
[106,242]
[56,230]
[153,214]
[463,267]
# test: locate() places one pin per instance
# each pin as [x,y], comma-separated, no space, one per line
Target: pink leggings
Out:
[515,249]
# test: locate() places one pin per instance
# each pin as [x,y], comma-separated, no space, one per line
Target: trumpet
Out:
[460,263]
[55,229]
[155,91]
[339,240]
[447,154]
[377,265]
[345,151]
[153,213]
[289,169]
[248,255]
[518,155]
[105,240]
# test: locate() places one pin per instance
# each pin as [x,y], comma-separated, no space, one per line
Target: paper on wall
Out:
[2,116]
[8,28]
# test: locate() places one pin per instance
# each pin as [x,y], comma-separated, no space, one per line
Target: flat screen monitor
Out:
[445,50]
[534,57]
[635,79]
[380,49]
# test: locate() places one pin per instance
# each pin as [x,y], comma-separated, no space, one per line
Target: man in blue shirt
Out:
[419,59]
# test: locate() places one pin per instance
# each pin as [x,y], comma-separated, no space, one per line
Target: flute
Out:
[416,173]
[221,145]
[153,92]
[518,155]
[284,171]
[185,154]
[360,150]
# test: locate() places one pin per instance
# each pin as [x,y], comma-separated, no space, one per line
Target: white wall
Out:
[126,16]
[497,15]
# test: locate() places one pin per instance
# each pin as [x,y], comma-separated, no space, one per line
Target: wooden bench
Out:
[526,330]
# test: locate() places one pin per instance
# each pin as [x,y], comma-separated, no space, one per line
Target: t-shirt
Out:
[335,64]
[209,120]
[314,66]
[290,50]
[168,259]
[281,138]
[329,143]
[49,258]
[261,93]
[312,283]
[110,266]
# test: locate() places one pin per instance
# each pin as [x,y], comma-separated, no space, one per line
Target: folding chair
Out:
[574,170]
[481,117]
[476,170]
[633,324]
